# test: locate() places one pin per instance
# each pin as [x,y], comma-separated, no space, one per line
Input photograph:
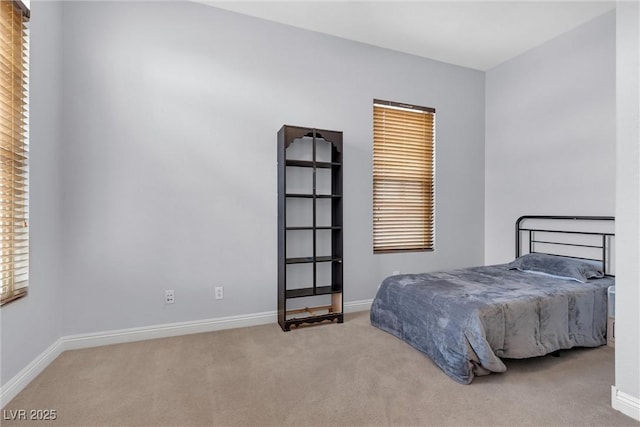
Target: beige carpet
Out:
[324,375]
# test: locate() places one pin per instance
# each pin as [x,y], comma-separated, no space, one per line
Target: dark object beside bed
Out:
[466,320]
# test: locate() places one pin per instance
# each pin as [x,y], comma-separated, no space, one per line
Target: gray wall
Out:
[559,141]
[551,133]
[169,157]
[30,325]
[628,201]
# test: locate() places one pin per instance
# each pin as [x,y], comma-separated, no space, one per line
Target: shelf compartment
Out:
[323,273]
[300,180]
[323,181]
[300,148]
[324,217]
[313,313]
[324,151]
[308,292]
[323,244]
[299,212]
[300,275]
[300,244]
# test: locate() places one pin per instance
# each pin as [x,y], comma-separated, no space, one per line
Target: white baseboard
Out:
[74,342]
[625,403]
[16,384]
[355,306]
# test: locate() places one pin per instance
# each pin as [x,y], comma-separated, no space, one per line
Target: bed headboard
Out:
[589,238]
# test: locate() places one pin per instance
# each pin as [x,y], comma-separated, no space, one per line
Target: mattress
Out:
[467,320]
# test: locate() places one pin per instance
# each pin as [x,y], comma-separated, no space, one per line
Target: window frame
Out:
[403,191]
[14,151]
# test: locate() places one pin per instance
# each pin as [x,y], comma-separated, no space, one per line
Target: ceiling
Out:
[474,34]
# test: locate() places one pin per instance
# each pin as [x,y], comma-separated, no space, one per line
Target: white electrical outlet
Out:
[219,292]
[395,273]
[168,297]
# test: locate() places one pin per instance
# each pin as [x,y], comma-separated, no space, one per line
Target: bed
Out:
[553,296]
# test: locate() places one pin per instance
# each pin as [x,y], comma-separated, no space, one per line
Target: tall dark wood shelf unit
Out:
[309,226]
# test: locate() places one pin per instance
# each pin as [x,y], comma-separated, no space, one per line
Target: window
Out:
[14,150]
[403,177]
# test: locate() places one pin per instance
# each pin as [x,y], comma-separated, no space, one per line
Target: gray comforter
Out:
[466,320]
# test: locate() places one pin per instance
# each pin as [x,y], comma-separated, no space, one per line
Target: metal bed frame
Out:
[603,238]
